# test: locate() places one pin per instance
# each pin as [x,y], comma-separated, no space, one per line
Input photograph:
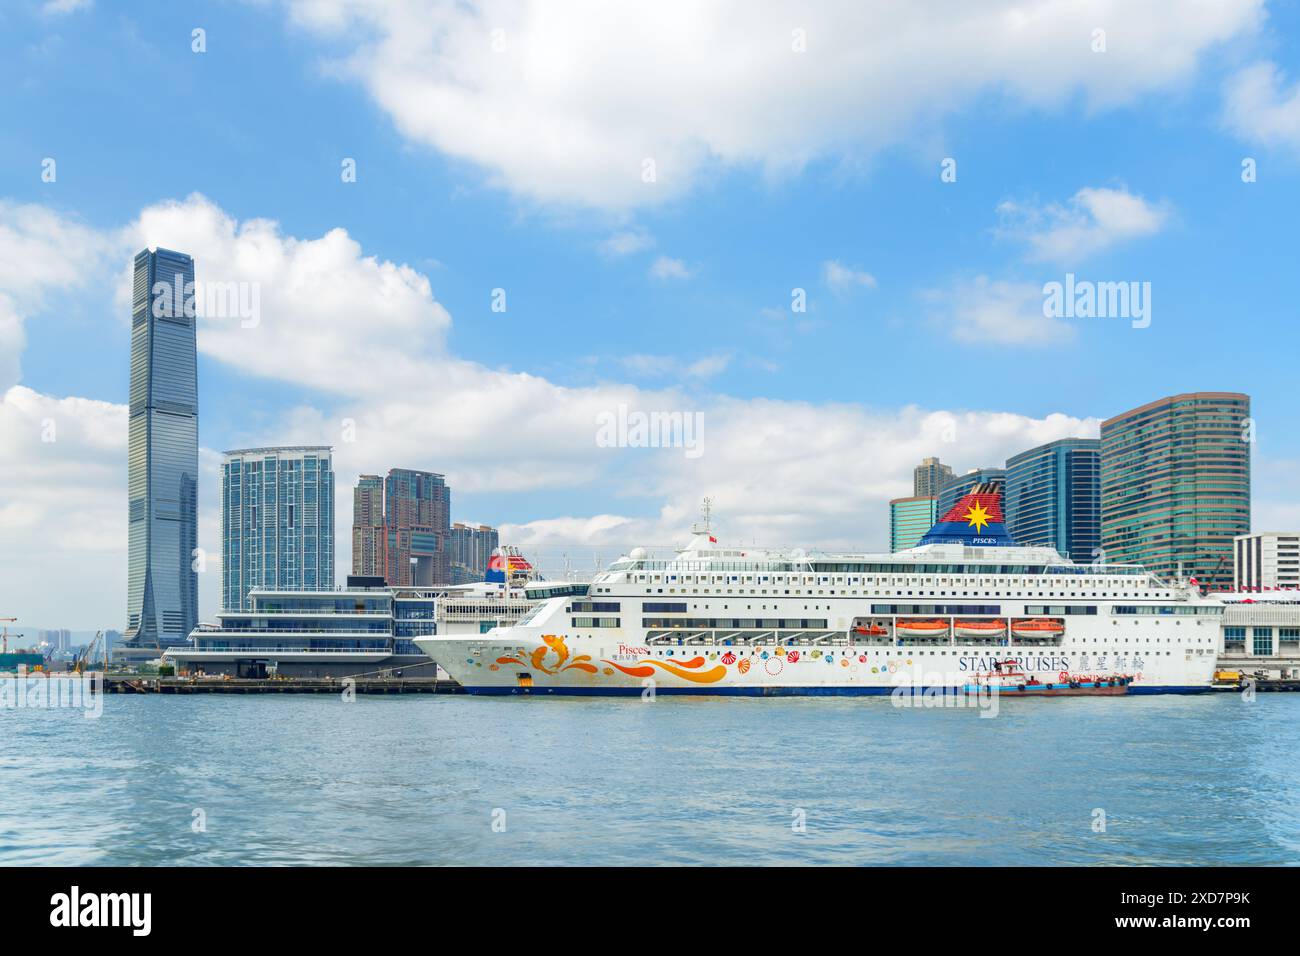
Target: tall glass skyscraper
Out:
[1175,484]
[162,587]
[1053,497]
[277,521]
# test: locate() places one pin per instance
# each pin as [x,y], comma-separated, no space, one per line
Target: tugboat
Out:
[1010,681]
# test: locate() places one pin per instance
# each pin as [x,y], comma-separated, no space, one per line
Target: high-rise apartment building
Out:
[1175,485]
[417,513]
[369,543]
[469,548]
[929,477]
[162,590]
[277,521]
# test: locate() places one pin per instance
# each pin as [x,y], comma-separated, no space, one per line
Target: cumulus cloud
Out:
[842,278]
[1093,220]
[1262,108]
[567,103]
[625,243]
[986,311]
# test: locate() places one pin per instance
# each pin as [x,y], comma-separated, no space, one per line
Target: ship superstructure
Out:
[712,619]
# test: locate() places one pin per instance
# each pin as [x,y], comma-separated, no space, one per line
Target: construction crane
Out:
[4,634]
[79,666]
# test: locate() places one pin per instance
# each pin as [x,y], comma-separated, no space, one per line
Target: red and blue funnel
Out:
[975,521]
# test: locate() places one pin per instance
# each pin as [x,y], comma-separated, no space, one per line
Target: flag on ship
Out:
[976,520]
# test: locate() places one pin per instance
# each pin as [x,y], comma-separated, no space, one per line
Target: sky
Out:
[477,230]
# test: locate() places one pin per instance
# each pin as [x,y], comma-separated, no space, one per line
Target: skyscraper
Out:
[469,549]
[929,477]
[369,547]
[1175,484]
[1053,497]
[417,521]
[162,453]
[277,521]
[909,520]
[1267,561]
[954,489]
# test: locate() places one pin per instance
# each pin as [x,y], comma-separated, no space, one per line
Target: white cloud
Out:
[564,102]
[842,278]
[60,7]
[667,268]
[1093,220]
[625,243]
[1261,108]
[986,311]
[672,366]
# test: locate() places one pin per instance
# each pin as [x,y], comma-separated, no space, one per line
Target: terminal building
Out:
[367,629]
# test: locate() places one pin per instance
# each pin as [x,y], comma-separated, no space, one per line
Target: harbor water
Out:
[435,780]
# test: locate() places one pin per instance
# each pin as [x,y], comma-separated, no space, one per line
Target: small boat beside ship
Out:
[1007,679]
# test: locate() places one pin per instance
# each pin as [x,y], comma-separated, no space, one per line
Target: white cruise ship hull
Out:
[524,661]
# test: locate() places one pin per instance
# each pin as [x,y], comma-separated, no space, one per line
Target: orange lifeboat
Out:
[981,628]
[922,628]
[1037,627]
[871,630]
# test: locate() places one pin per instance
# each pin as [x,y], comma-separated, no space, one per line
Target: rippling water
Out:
[417,780]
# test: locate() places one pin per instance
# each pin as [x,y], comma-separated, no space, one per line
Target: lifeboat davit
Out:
[871,630]
[922,628]
[1037,627]
[981,628]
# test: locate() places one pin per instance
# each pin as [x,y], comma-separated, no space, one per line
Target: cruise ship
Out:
[962,603]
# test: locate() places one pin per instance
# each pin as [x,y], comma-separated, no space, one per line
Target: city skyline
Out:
[375,327]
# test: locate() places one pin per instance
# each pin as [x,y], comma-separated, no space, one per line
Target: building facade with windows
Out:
[417,523]
[1175,485]
[910,519]
[369,543]
[1052,497]
[162,590]
[929,477]
[469,548]
[277,521]
[1268,561]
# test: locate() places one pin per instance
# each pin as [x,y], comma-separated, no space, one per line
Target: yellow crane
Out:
[79,666]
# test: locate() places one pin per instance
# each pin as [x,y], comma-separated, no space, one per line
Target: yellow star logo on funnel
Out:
[977,517]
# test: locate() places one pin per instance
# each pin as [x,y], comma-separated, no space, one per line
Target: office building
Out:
[162,453]
[909,520]
[1052,497]
[1175,485]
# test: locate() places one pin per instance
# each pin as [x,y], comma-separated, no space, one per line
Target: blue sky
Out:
[768,179]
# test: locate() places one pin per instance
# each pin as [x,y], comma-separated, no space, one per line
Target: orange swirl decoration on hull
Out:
[647,669]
